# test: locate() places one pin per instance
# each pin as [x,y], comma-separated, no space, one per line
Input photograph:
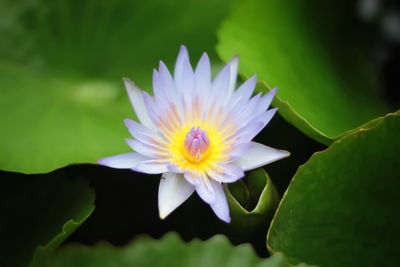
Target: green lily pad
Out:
[169,251]
[341,208]
[38,213]
[61,67]
[252,201]
[316,54]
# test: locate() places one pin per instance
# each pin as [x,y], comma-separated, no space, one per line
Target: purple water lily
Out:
[197,132]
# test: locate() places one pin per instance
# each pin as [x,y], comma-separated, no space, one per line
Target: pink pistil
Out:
[196,143]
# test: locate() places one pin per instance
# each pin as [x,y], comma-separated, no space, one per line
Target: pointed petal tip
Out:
[204,59]
[105,162]
[128,122]
[161,64]
[252,80]
[234,60]
[205,55]
[273,92]
[130,85]
[172,192]
[182,48]
[125,79]
[128,82]
[226,219]
[272,111]
[101,161]
[260,155]
[130,142]
[286,153]
[220,205]
[183,52]
[162,213]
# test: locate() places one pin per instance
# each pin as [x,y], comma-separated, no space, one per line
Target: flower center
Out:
[196,144]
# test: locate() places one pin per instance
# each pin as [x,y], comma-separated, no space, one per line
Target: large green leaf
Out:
[169,251]
[38,212]
[62,99]
[315,52]
[342,206]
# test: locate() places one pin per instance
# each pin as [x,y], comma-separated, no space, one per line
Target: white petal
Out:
[220,206]
[182,69]
[253,127]
[148,150]
[168,82]
[220,86]
[243,93]
[259,155]
[203,186]
[234,64]
[173,191]
[202,76]
[238,151]
[123,161]
[152,166]
[142,133]
[266,101]
[160,90]
[225,173]
[137,101]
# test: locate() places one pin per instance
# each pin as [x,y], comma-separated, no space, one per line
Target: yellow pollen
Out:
[197,147]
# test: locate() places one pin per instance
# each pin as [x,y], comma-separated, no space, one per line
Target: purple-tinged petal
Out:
[191,177]
[220,206]
[259,155]
[266,117]
[202,76]
[245,134]
[152,166]
[225,173]
[182,56]
[234,64]
[169,84]
[243,93]
[137,101]
[220,86]
[185,81]
[183,74]
[173,168]
[152,108]
[144,134]
[202,185]
[148,150]
[160,89]
[123,161]
[238,151]
[165,79]
[172,192]
[247,112]
[254,127]
[265,101]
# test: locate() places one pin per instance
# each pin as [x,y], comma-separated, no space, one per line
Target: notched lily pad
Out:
[170,251]
[252,200]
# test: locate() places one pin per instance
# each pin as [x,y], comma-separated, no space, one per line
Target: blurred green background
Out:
[62,102]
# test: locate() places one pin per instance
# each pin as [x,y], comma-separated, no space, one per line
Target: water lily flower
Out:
[197,132]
